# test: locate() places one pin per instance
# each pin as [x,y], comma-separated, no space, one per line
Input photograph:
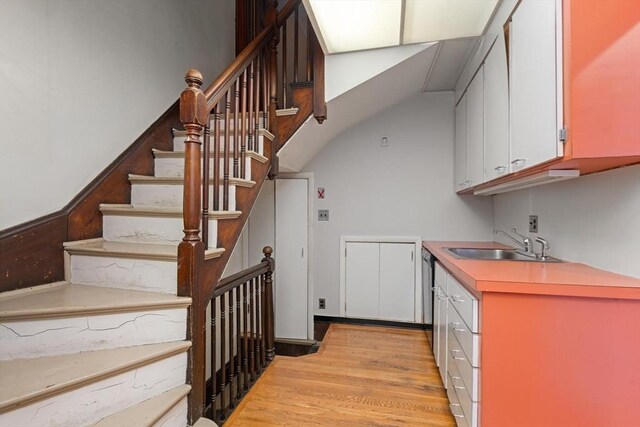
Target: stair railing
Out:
[242,100]
[242,344]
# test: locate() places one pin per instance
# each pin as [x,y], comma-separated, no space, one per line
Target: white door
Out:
[460,145]
[496,111]
[362,285]
[532,63]
[475,130]
[291,281]
[397,281]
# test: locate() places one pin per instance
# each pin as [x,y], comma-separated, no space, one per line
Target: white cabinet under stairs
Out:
[108,346]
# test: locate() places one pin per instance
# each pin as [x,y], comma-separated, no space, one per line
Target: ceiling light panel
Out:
[432,20]
[348,25]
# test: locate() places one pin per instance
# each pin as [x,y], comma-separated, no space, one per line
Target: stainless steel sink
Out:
[495,254]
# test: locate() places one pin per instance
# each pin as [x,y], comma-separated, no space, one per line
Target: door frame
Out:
[308,176]
[417,258]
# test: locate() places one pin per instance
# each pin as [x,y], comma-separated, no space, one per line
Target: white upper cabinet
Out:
[496,111]
[475,130]
[533,81]
[460,155]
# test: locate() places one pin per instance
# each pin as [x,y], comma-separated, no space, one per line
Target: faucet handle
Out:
[544,247]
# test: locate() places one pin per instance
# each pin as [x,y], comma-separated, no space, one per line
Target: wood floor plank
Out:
[361,376]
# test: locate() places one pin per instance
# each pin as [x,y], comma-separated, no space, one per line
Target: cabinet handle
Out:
[518,163]
[459,387]
[456,298]
[457,358]
[459,330]
[451,405]
[500,169]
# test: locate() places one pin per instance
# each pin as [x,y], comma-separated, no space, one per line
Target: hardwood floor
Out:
[361,376]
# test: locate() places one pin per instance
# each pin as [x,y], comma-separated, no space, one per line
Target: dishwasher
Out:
[428,271]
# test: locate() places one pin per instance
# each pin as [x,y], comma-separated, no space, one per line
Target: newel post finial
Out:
[269,330]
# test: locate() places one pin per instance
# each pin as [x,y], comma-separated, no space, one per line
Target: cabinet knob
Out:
[518,163]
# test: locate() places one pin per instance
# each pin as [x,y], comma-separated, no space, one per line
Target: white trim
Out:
[417,240]
[310,248]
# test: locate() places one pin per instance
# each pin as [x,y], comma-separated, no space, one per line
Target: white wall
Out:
[80,80]
[403,189]
[593,219]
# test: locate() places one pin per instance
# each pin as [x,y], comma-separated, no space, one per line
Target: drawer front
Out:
[469,341]
[441,277]
[465,303]
[456,407]
[470,375]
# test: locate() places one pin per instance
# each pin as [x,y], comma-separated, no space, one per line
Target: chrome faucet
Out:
[525,244]
[544,247]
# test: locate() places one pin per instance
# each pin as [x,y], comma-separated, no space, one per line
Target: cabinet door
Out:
[362,279]
[397,281]
[443,338]
[496,111]
[460,146]
[436,325]
[475,130]
[532,63]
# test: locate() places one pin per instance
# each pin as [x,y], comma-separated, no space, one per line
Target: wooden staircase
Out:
[120,341]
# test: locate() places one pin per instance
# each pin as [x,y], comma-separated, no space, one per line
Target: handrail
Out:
[216,90]
[233,281]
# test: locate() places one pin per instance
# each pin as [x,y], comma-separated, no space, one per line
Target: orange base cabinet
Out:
[559,361]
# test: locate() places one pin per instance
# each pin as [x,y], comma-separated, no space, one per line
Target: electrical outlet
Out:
[321,304]
[533,223]
[323,215]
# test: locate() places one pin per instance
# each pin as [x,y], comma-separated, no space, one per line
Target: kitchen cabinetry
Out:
[380,280]
[440,305]
[475,130]
[457,346]
[496,111]
[460,148]
[533,91]
[469,138]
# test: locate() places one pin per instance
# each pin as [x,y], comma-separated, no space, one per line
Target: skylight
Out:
[348,25]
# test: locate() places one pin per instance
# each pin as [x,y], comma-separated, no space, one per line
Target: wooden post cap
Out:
[193,77]
[267,251]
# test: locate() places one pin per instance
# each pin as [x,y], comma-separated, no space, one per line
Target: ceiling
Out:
[351,25]
[451,57]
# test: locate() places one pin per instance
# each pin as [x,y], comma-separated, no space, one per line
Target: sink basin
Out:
[495,254]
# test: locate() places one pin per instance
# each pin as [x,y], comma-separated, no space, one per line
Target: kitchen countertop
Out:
[564,279]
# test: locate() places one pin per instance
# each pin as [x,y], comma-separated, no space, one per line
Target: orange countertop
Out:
[564,279]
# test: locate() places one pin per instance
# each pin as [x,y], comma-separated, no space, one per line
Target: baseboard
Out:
[321,324]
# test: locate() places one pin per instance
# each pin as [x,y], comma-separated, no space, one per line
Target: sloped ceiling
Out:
[358,93]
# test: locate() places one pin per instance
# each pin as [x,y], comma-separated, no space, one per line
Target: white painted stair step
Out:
[168,192]
[136,266]
[168,409]
[179,136]
[83,388]
[171,163]
[205,422]
[127,223]
[63,318]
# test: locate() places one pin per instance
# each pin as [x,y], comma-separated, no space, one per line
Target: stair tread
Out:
[170,180]
[27,380]
[176,154]
[101,247]
[66,299]
[148,412]
[125,209]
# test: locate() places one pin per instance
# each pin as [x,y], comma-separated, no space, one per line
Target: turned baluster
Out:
[223,354]
[225,154]
[265,92]
[238,342]
[251,118]
[232,335]
[256,130]
[263,318]
[245,344]
[214,383]
[206,154]
[284,64]
[243,126]
[236,121]
[309,51]
[251,332]
[216,158]
[296,18]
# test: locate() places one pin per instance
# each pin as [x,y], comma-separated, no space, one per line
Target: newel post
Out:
[269,330]
[193,115]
